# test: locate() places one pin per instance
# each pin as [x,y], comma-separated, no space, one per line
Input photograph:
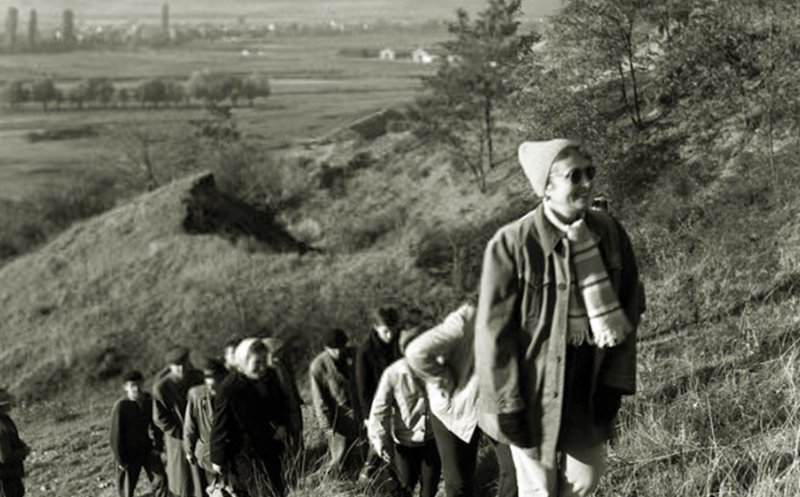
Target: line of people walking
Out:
[209,429]
[536,360]
[539,360]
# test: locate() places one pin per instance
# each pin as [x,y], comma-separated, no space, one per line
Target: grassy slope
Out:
[115,290]
[717,412]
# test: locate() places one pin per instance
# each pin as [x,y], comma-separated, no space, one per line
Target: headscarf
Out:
[242,351]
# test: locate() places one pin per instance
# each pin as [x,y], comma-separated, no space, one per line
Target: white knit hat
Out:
[243,350]
[536,159]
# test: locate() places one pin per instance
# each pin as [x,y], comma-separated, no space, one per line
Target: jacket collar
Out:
[550,236]
[379,345]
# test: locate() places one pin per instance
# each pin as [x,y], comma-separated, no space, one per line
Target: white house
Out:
[387,54]
[421,56]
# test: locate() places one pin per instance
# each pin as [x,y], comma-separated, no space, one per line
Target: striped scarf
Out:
[595,314]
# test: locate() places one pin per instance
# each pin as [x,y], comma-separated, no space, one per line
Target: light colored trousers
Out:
[577,476]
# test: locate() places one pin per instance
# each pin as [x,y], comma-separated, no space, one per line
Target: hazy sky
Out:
[261,10]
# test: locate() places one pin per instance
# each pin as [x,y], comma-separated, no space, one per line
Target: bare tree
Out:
[459,104]
[605,35]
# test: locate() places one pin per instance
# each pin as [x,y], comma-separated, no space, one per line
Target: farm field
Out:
[290,56]
[314,90]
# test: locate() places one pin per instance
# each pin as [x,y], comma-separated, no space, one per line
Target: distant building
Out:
[422,56]
[165,19]
[387,54]
[68,26]
[33,29]
[12,19]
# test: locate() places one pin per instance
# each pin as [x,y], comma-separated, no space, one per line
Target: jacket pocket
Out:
[533,296]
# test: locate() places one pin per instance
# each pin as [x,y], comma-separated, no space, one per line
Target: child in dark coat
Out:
[135,440]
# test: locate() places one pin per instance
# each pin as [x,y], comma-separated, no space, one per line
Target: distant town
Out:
[23,34]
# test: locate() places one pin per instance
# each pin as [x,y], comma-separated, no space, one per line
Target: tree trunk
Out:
[636,104]
[488,129]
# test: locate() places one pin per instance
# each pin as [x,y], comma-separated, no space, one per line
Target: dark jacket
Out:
[520,330]
[133,434]
[295,401]
[169,402]
[197,424]
[12,450]
[333,392]
[245,420]
[373,356]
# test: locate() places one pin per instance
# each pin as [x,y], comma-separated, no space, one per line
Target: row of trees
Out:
[202,86]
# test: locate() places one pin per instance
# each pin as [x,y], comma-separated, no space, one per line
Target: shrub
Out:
[361,160]
[454,254]
[82,197]
[352,234]
[333,179]
[29,224]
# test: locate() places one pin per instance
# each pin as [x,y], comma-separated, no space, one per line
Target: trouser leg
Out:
[127,478]
[337,450]
[11,487]
[534,479]
[582,471]
[407,464]
[199,481]
[431,470]
[506,476]
[578,476]
[178,468]
[154,469]
[275,474]
[371,466]
[458,460]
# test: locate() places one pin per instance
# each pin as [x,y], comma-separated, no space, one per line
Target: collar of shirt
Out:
[549,235]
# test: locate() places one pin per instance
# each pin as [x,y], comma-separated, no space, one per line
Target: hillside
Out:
[707,194]
[114,291]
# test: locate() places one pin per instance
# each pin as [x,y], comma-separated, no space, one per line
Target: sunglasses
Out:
[576,175]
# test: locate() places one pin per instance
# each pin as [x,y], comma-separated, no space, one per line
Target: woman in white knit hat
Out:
[555,331]
[248,433]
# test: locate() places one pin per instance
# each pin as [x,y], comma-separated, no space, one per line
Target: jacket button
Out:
[562,286]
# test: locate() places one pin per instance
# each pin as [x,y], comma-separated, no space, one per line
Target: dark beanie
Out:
[335,339]
[176,355]
[132,376]
[210,366]
[386,315]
